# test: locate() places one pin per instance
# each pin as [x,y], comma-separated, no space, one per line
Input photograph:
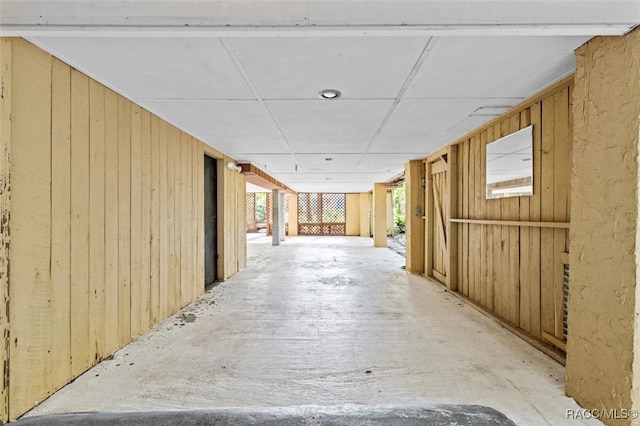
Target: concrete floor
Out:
[324,321]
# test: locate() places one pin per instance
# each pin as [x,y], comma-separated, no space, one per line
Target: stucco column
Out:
[602,363]
[414,225]
[293,215]
[365,214]
[379,215]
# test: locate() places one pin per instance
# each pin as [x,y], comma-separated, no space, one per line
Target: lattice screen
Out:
[251,212]
[321,214]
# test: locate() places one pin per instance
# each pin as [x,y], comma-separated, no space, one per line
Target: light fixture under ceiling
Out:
[232,166]
[330,94]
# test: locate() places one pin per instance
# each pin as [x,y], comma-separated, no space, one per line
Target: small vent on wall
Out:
[565,296]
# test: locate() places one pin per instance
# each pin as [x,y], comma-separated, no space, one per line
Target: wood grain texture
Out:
[97,288]
[5,217]
[137,304]
[124,260]
[154,220]
[509,250]
[164,219]
[102,222]
[61,219]
[112,302]
[145,222]
[30,292]
[81,351]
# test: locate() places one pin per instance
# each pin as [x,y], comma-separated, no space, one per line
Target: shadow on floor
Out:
[437,414]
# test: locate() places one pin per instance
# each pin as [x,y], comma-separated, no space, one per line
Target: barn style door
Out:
[441,237]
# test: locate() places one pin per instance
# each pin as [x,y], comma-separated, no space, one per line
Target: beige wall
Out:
[506,255]
[353,214]
[517,271]
[106,222]
[365,214]
[414,229]
[379,215]
[601,358]
[390,213]
[293,215]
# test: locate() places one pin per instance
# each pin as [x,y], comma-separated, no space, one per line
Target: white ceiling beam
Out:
[276,18]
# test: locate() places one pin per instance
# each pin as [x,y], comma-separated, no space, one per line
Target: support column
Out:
[365,214]
[414,226]
[379,215]
[275,217]
[293,215]
[602,365]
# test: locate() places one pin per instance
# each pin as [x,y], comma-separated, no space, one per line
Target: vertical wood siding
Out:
[515,272]
[107,223]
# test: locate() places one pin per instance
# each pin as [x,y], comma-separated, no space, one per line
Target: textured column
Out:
[414,226]
[602,324]
[379,215]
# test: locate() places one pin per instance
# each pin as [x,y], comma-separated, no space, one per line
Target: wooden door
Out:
[437,215]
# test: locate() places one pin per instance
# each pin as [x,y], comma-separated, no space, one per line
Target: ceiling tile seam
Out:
[428,48]
[235,58]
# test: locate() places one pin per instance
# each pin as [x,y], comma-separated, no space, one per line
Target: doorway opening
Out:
[210,220]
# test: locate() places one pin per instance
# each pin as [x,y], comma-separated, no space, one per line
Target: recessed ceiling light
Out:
[328,159]
[328,178]
[329,94]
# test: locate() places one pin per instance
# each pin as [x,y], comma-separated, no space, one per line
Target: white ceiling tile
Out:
[298,68]
[326,126]
[270,163]
[315,163]
[192,83]
[314,177]
[423,126]
[485,67]
[385,163]
[155,68]
[232,127]
[372,178]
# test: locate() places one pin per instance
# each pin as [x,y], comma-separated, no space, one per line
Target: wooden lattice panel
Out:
[251,212]
[321,214]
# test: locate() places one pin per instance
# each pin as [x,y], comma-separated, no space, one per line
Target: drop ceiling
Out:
[244,76]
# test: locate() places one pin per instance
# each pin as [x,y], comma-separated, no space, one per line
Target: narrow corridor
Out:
[324,321]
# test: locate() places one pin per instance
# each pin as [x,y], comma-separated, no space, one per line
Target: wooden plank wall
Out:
[107,222]
[516,271]
[5,214]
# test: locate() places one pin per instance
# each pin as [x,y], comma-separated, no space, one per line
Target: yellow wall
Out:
[107,222]
[390,213]
[517,271]
[602,357]
[414,229]
[353,214]
[365,214]
[293,215]
[379,215]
